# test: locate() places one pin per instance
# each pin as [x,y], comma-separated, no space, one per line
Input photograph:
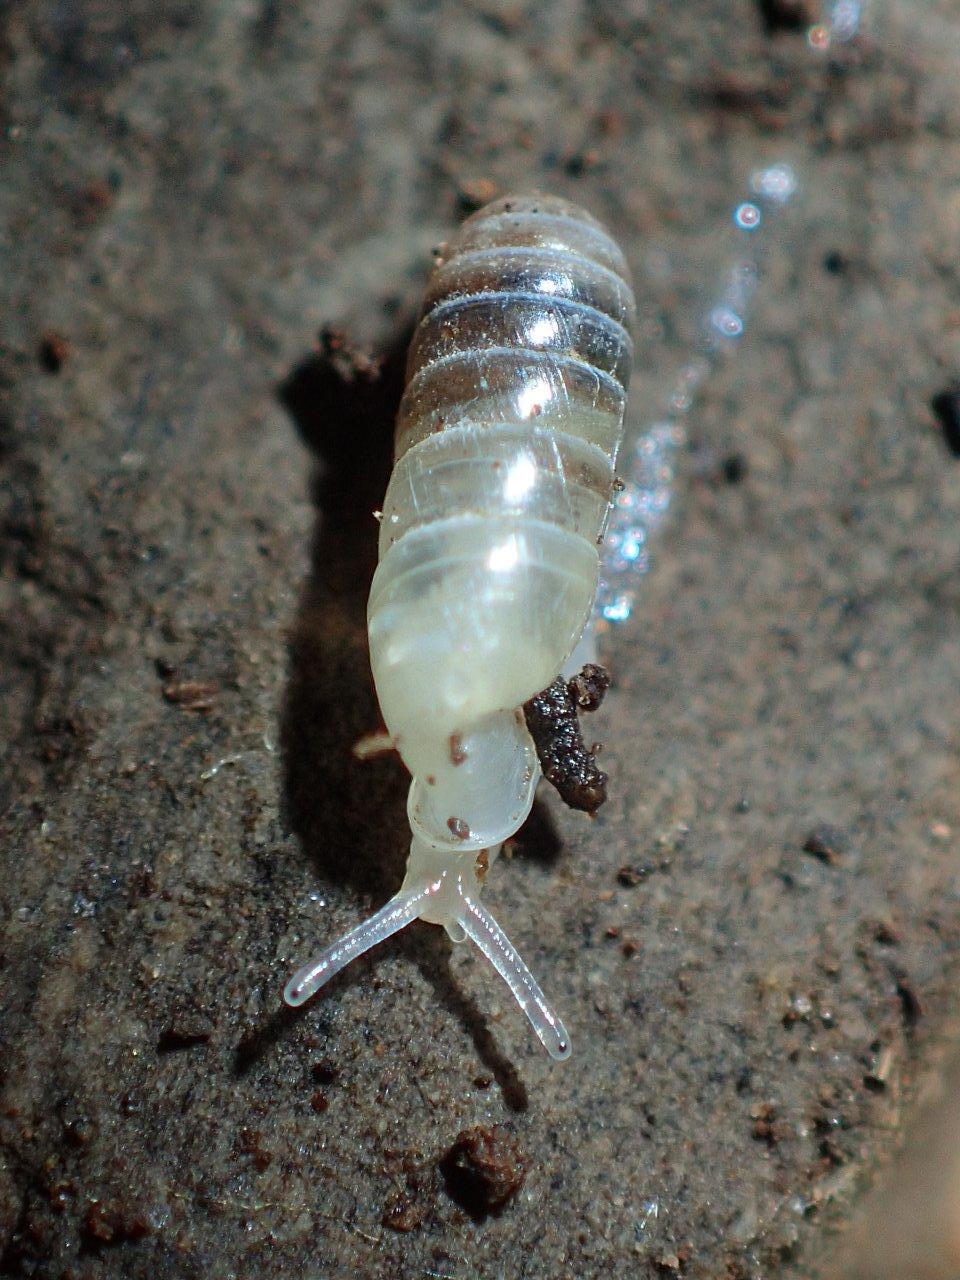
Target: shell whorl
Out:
[506,440]
[525,324]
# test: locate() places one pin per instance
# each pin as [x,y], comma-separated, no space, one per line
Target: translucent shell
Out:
[506,441]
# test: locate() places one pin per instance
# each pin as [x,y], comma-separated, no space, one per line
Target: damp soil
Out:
[217,220]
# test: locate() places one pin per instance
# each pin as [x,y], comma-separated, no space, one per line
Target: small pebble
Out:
[53,352]
[403,1213]
[474,193]
[876,1079]
[484,1169]
[629,876]
[827,842]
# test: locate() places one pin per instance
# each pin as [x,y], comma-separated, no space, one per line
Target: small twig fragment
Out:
[372,745]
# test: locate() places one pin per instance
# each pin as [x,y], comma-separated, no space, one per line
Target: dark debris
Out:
[786,15]
[187,1026]
[53,352]
[827,842]
[113,1221]
[484,1169]
[191,695]
[946,407]
[553,721]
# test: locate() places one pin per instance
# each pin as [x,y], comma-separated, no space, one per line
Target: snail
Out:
[506,441]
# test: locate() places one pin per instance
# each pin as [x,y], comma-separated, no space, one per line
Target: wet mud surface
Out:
[754,944]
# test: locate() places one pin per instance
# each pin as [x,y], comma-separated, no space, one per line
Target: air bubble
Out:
[619,608]
[747,216]
[726,322]
[845,20]
[777,182]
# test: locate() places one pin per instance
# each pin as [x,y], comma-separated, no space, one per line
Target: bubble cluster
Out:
[648,466]
[638,510]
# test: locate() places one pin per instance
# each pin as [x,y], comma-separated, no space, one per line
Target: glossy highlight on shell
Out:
[506,443]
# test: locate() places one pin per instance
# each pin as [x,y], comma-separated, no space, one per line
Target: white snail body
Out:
[506,442]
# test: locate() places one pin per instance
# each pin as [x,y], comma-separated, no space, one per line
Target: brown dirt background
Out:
[188,193]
